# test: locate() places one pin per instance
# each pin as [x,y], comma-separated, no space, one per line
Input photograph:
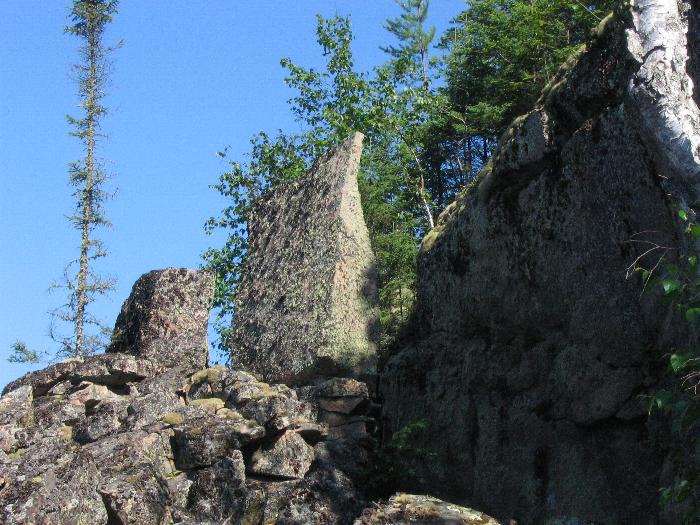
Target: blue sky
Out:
[191,78]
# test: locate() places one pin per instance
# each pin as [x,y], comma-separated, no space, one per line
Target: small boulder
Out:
[203,441]
[288,457]
[165,318]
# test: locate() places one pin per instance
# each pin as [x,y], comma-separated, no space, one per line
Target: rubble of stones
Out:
[118,439]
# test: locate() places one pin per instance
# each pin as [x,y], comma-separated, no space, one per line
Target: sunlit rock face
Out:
[307,299]
[165,318]
[535,349]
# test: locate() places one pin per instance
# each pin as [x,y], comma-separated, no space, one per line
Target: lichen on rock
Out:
[306,304]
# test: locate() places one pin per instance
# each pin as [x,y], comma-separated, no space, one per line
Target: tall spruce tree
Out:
[89,19]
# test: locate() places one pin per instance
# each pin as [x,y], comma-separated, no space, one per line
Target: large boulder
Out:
[534,349]
[307,299]
[165,318]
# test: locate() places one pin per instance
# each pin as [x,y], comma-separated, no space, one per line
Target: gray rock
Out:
[217,492]
[307,299]
[104,369]
[165,318]
[203,441]
[288,456]
[422,510]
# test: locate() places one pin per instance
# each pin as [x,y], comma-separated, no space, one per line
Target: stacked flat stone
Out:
[307,299]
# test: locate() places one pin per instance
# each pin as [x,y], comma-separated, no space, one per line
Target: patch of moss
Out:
[66,433]
[173,418]
[229,414]
[210,404]
[210,375]
[431,238]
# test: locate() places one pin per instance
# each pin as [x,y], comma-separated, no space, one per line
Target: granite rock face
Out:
[534,349]
[165,318]
[307,300]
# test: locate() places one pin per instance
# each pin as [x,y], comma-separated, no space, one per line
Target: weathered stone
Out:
[532,345]
[422,510]
[134,500]
[203,441]
[16,406]
[104,369]
[343,405]
[288,456]
[165,318]
[324,497]
[307,299]
[101,421]
[216,492]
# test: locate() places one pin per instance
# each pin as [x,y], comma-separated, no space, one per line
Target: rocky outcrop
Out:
[125,439]
[534,348]
[165,318]
[307,300]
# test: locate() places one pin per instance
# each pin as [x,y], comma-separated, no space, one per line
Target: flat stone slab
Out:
[307,299]
[104,369]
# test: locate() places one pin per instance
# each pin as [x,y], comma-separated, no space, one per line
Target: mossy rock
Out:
[210,404]
[173,418]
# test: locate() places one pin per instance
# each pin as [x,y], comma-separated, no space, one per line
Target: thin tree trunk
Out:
[87,196]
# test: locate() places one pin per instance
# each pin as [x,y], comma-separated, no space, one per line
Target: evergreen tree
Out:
[89,19]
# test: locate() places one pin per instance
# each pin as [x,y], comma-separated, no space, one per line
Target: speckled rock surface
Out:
[165,318]
[402,509]
[534,350]
[307,299]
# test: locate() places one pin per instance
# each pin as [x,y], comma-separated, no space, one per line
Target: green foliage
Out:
[23,354]
[82,284]
[397,464]
[679,283]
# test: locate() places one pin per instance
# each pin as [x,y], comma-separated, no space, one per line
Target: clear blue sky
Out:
[192,78]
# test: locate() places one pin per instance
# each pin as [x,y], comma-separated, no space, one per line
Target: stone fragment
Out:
[203,441]
[288,456]
[307,299]
[104,369]
[216,492]
[342,387]
[422,510]
[16,406]
[165,318]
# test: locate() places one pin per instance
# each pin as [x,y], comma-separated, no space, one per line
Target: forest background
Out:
[432,90]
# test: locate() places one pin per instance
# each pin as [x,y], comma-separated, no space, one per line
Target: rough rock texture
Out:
[307,301]
[422,510]
[119,440]
[149,452]
[533,346]
[165,318]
